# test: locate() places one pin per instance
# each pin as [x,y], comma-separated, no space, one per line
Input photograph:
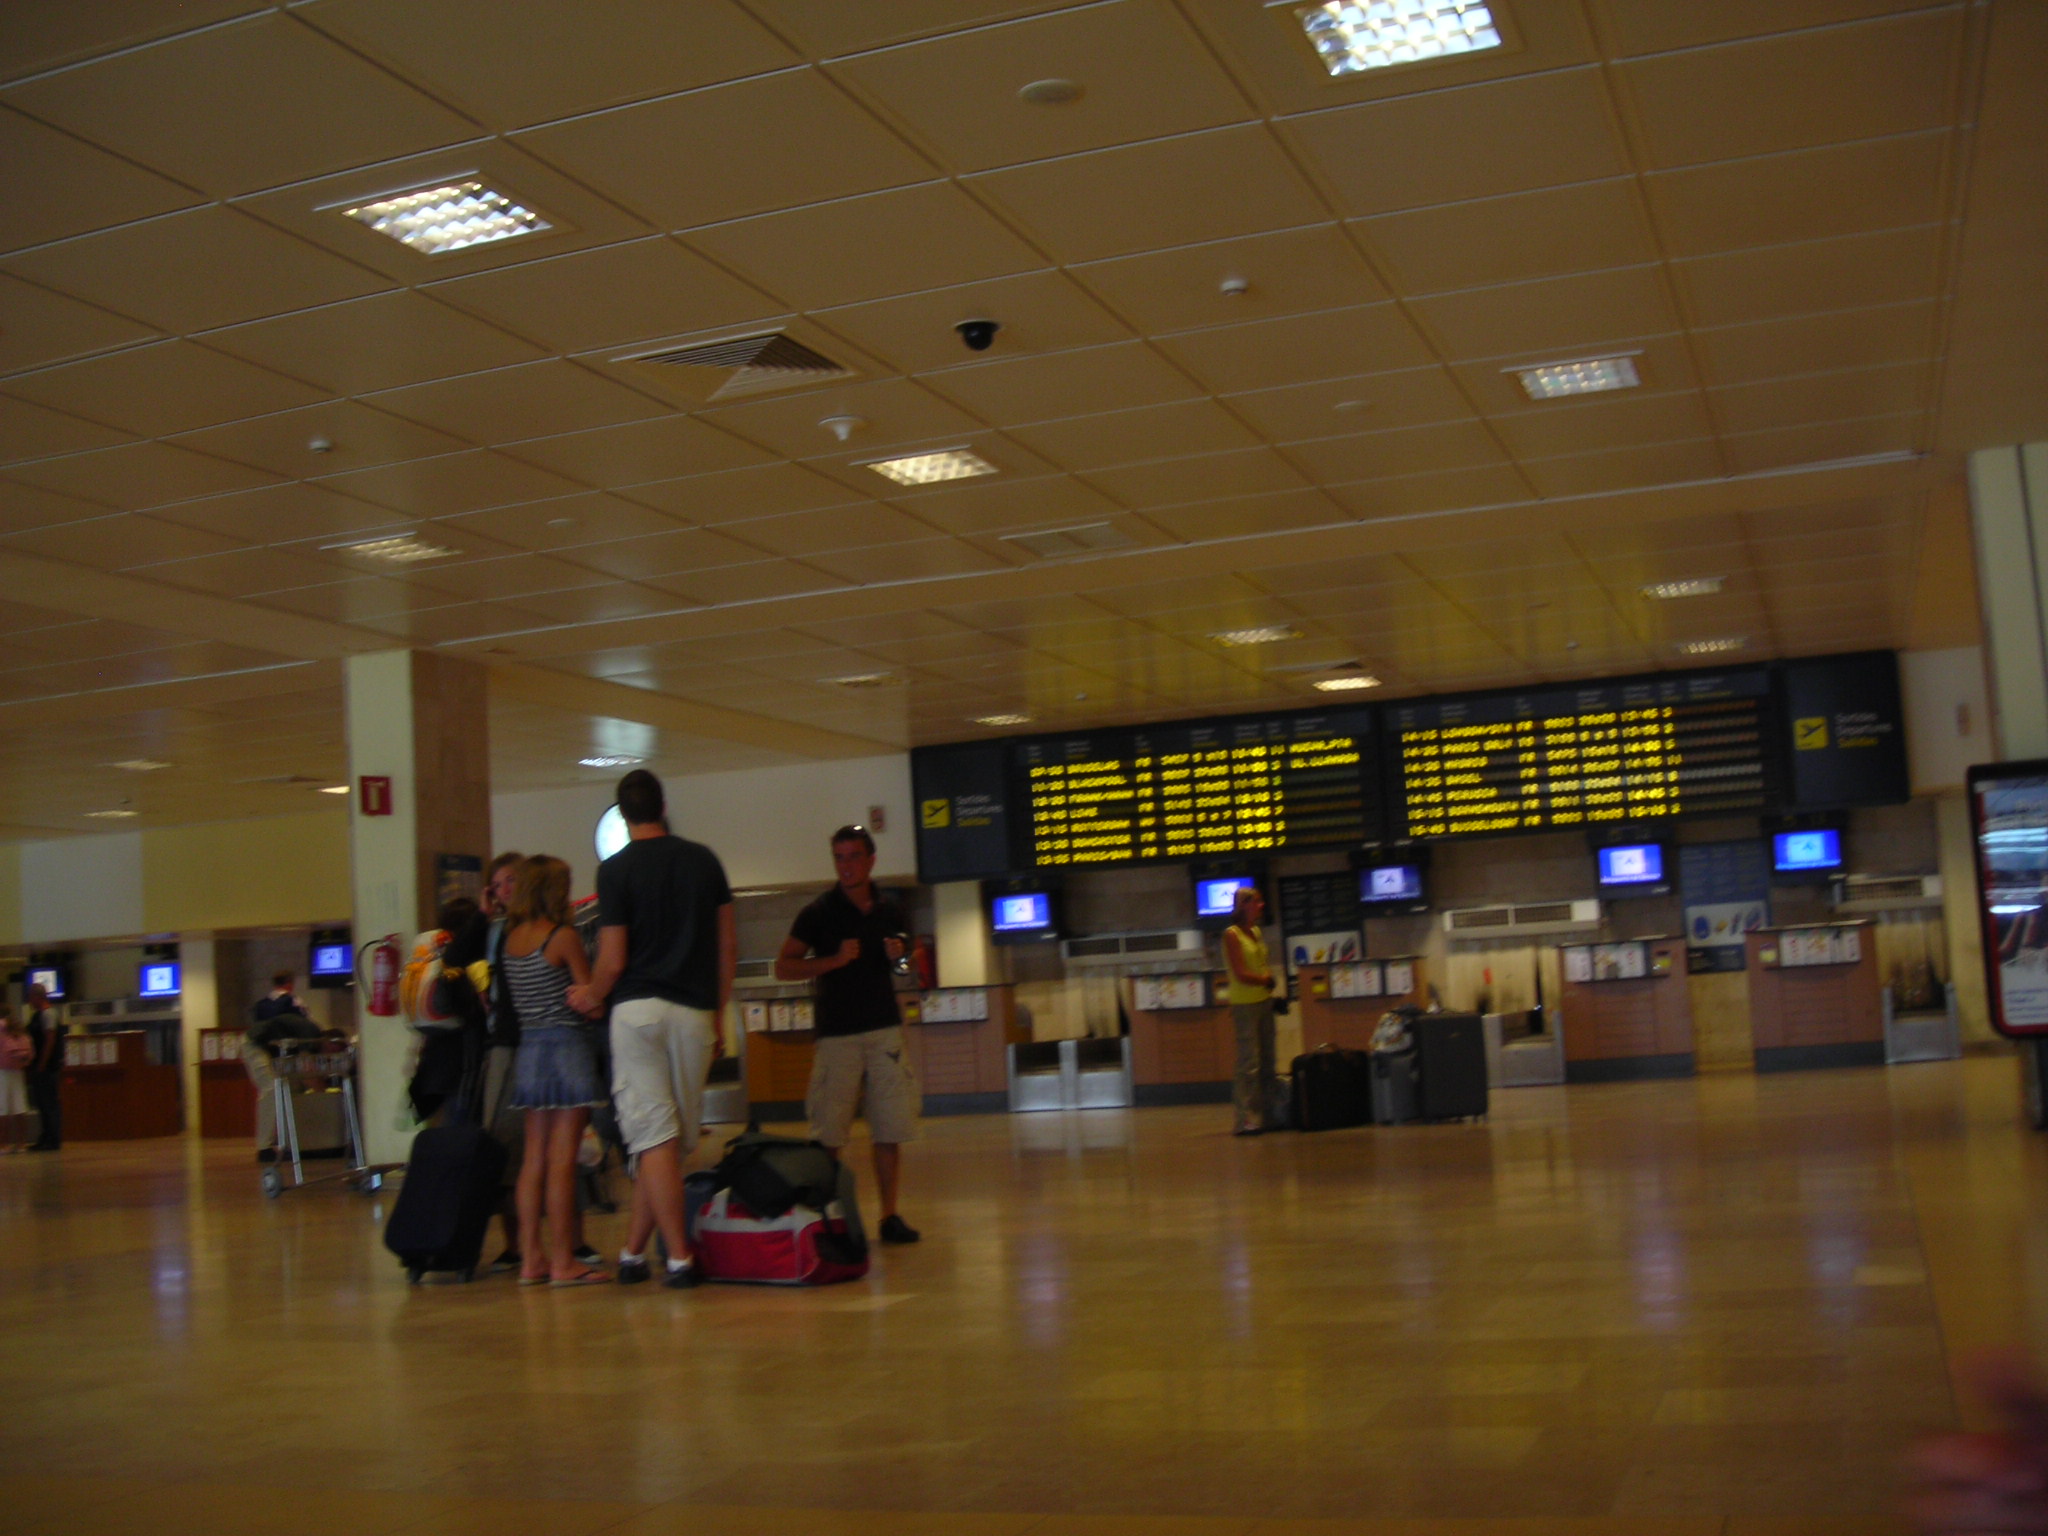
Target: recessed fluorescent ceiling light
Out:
[1347,684]
[333,789]
[1691,586]
[1265,634]
[437,220]
[1587,376]
[140,764]
[112,815]
[1353,36]
[1002,719]
[930,468]
[1713,647]
[400,549]
[610,760]
[863,679]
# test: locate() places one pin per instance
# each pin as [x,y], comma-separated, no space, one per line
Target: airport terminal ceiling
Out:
[1252,419]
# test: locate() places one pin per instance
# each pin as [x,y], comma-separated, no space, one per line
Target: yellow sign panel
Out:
[937,813]
[1810,734]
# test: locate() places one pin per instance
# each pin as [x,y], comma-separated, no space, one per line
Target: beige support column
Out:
[962,936]
[420,720]
[198,1008]
[2009,515]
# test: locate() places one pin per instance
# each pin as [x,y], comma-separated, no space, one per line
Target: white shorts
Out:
[661,1052]
[870,1066]
[13,1093]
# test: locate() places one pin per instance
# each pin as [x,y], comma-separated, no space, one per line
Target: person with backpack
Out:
[555,1078]
[17,1051]
[847,942]
[44,1078]
[668,948]
[441,993]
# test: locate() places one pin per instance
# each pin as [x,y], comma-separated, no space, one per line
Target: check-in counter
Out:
[1626,1011]
[1183,1044]
[956,1038]
[1814,997]
[113,1091]
[1341,1004]
[227,1098]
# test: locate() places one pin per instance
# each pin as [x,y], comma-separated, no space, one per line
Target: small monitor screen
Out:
[1218,898]
[1632,864]
[331,960]
[1807,850]
[1390,882]
[49,978]
[160,979]
[1029,912]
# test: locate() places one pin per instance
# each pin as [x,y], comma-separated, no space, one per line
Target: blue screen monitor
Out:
[1218,898]
[1027,912]
[49,978]
[159,978]
[1792,852]
[1390,884]
[1632,864]
[332,960]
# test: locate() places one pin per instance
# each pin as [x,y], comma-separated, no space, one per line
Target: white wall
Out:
[1948,715]
[768,825]
[82,888]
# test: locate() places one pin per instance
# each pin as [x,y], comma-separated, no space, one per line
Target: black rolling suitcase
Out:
[1450,1061]
[1332,1089]
[453,1183]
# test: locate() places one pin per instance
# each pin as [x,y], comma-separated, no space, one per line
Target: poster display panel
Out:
[2009,823]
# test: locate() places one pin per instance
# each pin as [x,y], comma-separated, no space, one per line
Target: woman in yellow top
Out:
[1250,995]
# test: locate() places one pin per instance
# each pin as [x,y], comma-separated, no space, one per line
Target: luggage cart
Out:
[321,1063]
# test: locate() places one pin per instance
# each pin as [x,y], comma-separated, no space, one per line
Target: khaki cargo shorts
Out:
[661,1052]
[873,1065]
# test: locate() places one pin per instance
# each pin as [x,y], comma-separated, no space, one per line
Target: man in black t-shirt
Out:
[667,951]
[45,1074]
[846,943]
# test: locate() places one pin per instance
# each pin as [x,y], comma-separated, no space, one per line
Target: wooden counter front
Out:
[1183,1055]
[124,1100]
[962,1067]
[1347,1021]
[227,1099]
[1814,1015]
[1640,1027]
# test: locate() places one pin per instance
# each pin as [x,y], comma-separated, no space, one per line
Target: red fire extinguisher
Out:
[384,967]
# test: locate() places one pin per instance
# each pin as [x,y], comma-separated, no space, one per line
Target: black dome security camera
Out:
[979,335]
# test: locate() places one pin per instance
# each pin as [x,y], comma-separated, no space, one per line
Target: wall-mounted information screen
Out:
[1182,791]
[1573,757]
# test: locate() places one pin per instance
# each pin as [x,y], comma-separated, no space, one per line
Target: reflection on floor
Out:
[1711,1306]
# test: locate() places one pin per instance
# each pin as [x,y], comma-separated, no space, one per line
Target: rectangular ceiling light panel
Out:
[1714,647]
[1353,36]
[1586,376]
[1264,634]
[931,468]
[1347,684]
[401,549]
[1690,586]
[437,220]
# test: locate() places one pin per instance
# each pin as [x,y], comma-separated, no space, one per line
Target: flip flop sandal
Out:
[534,1280]
[584,1277]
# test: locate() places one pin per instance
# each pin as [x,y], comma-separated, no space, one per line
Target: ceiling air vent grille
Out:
[1081,539]
[757,364]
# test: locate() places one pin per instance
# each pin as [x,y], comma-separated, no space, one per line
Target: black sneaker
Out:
[630,1271]
[688,1278]
[585,1254]
[505,1262]
[894,1229]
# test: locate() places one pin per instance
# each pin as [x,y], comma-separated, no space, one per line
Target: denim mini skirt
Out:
[556,1069]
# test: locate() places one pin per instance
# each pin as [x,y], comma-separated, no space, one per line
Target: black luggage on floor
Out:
[1393,1087]
[1450,1051]
[1332,1089]
[451,1190]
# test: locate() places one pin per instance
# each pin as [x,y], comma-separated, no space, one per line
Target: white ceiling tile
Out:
[163,387]
[381,342]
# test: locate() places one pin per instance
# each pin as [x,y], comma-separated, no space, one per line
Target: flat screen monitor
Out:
[158,978]
[49,977]
[1382,885]
[1023,912]
[329,959]
[1798,852]
[1631,866]
[1218,898]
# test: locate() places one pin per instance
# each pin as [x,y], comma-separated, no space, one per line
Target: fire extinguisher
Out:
[924,959]
[384,968]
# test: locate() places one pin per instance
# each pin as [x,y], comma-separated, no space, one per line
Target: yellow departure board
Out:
[1255,785]
[1581,756]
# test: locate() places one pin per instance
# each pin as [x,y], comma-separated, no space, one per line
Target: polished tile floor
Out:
[1711,1307]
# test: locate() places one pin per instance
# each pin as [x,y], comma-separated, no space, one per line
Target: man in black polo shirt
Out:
[847,941]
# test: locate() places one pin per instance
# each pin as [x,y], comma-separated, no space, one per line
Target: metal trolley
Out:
[327,1065]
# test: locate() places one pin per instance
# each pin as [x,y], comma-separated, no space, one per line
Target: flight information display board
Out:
[1251,785]
[1682,745]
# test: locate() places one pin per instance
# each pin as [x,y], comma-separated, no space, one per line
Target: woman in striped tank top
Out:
[555,1079]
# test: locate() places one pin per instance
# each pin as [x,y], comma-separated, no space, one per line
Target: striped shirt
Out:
[537,987]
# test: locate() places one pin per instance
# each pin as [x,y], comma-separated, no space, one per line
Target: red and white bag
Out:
[803,1246]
